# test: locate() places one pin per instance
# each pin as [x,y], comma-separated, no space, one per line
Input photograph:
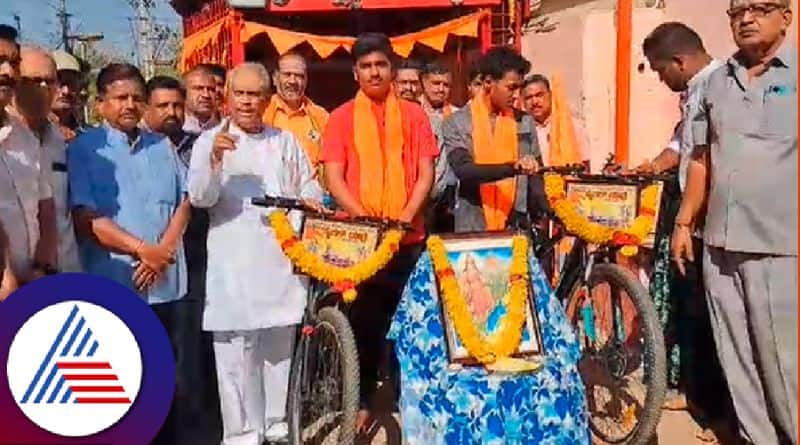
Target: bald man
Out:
[30,216]
[253,324]
[36,91]
[292,110]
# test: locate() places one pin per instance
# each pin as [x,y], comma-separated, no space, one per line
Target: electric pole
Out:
[64,16]
[143,29]
[18,21]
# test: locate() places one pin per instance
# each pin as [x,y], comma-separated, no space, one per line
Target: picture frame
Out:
[481,263]
[340,243]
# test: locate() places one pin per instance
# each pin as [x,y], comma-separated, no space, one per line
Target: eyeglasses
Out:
[38,81]
[757,10]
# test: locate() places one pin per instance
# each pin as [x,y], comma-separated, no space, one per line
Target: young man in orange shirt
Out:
[378,151]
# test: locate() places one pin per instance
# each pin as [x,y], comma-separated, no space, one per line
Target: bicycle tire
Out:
[332,319]
[654,356]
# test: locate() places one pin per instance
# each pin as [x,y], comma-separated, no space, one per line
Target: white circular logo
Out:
[74,368]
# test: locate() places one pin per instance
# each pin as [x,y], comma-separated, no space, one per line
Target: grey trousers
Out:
[752,302]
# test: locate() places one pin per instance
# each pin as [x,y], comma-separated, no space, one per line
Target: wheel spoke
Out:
[321,413]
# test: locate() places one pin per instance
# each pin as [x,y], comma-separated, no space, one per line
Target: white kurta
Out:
[250,284]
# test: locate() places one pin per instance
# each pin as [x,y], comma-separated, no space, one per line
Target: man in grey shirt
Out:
[502,71]
[745,135]
[677,54]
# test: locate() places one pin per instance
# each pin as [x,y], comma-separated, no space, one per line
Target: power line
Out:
[148,35]
[67,37]
[64,17]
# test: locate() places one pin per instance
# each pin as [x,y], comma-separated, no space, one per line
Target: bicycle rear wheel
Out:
[623,365]
[323,391]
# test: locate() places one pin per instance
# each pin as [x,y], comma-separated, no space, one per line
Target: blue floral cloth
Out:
[470,406]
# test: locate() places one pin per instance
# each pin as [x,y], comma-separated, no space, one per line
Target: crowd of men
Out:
[156,197]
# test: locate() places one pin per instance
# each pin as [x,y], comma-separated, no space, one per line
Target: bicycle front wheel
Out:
[324,388]
[623,365]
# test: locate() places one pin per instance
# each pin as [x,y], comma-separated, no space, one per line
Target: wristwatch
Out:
[46,269]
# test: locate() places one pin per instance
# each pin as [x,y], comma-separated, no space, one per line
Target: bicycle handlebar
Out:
[283,203]
[579,171]
[571,170]
[296,204]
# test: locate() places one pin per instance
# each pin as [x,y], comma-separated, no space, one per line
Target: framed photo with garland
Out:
[339,243]
[611,204]
[481,264]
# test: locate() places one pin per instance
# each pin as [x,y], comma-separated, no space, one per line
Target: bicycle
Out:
[323,398]
[633,352]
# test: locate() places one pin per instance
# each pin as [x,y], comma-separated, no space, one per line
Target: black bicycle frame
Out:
[577,264]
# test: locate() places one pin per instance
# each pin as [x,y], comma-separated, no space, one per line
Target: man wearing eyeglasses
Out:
[35,91]
[26,196]
[744,171]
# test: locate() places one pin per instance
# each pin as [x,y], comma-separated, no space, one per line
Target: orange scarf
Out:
[382,187]
[563,140]
[494,147]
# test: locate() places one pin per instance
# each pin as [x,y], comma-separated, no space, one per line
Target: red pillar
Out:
[486,31]
[235,24]
[518,14]
[622,124]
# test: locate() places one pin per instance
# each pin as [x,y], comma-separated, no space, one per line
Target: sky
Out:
[40,24]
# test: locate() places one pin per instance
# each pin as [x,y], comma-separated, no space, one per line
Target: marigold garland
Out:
[574,222]
[344,279]
[503,342]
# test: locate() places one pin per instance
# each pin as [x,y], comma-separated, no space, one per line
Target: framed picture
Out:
[340,243]
[481,263]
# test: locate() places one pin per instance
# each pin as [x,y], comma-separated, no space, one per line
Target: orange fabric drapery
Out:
[199,40]
[284,40]
[564,149]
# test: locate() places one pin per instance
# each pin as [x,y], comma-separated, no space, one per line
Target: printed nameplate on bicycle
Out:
[340,243]
[610,204]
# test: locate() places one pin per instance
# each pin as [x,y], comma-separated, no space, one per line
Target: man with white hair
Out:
[253,324]
[35,93]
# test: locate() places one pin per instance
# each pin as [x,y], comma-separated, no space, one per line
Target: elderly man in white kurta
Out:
[253,300]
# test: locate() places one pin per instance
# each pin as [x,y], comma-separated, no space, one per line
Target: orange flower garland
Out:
[344,279]
[574,222]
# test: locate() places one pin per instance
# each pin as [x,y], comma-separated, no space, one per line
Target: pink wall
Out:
[582,47]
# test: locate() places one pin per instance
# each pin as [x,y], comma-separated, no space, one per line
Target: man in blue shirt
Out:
[127,194]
